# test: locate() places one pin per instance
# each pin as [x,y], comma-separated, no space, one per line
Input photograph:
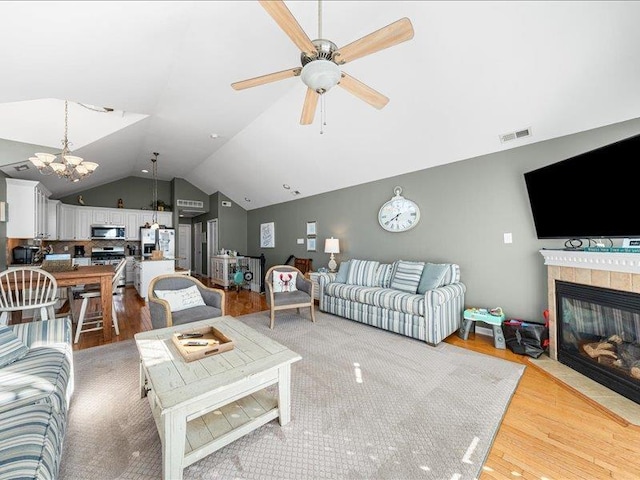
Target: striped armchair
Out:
[418,299]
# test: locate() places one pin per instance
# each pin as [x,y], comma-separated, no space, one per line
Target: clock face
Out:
[399,215]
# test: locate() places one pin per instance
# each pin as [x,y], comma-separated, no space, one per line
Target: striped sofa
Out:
[35,391]
[418,299]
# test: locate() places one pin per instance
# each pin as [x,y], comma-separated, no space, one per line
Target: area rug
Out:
[366,404]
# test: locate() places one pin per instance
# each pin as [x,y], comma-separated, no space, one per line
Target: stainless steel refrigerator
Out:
[164,238]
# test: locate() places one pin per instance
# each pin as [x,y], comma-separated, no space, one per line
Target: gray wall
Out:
[136,193]
[466,207]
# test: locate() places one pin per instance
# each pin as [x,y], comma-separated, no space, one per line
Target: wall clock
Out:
[398,214]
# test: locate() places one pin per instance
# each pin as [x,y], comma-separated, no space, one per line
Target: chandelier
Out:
[67,166]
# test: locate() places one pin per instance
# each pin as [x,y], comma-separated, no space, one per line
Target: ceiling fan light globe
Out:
[321,75]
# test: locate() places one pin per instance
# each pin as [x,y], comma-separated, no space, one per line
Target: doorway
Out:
[184,246]
[212,240]
[197,247]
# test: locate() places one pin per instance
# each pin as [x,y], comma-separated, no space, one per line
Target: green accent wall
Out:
[135,192]
[466,207]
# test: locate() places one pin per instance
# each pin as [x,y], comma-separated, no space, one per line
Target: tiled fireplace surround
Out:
[617,271]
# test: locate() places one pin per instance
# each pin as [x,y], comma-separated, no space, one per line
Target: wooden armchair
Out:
[161,311]
[300,297]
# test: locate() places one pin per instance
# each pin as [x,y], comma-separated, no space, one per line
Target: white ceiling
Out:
[473,71]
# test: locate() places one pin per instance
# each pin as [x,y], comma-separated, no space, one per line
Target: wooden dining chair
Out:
[89,322]
[27,288]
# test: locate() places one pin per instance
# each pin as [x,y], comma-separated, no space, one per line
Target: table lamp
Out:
[332,246]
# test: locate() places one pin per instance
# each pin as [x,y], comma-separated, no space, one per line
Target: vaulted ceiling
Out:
[472,72]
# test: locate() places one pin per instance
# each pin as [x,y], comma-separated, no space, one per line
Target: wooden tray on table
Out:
[217,342]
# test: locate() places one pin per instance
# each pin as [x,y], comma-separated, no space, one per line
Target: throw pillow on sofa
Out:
[182,299]
[284,281]
[384,275]
[11,348]
[343,272]
[433,276]
[406,276]
[363,273]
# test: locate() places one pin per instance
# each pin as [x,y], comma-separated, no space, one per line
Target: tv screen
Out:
[591,195]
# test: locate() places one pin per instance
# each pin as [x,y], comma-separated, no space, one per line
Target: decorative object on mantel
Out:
[68,166]
[332,246]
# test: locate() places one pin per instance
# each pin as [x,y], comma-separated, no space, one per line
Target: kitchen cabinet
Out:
[132,226]
[107,216]
[145,270]
[53,209]
[129,274]
[83,224]
[166,219]
[66,222]
[27,209]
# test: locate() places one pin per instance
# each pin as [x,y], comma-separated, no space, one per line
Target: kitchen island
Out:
[146,269]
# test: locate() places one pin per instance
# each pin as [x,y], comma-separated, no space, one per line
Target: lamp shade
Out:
[332,245]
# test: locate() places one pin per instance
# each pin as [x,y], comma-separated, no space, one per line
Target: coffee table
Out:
[203,405]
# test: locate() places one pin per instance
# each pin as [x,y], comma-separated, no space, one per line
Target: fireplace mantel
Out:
[607,261]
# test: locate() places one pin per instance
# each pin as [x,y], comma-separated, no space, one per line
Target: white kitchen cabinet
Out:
[83,224]
[27,209]
[132,225]
[145,270]
[145,216]
[166,219]
[67,222]
[53,211]
[107,216]
[129,272]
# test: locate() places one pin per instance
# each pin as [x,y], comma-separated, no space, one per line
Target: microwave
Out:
[107,232]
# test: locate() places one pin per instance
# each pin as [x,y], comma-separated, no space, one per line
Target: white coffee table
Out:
[201,406]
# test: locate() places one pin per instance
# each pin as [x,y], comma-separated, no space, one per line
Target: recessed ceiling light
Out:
[247,199]
[214,135]
[295,192]
[144,170]
[285,186]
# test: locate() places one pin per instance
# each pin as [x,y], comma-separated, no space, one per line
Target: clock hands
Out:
[394,218]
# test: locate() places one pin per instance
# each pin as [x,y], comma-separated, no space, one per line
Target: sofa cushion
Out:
[42,376]
[406,276]
[433,276]
[291,298]
[31,440]
[194,314]
[363,273]
[284,281]
[387,298]
[343,272]
[384,275]
[181,299]
[355,293]
[11,348]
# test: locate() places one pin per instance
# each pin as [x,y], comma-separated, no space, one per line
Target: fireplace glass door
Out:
[599,335]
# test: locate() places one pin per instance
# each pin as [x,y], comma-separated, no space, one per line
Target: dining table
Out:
[92,275]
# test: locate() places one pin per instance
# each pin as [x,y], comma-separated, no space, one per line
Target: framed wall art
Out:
[311,229]
[311,244]
[267,235]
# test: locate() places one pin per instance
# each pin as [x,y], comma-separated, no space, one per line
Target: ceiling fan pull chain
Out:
[323,114]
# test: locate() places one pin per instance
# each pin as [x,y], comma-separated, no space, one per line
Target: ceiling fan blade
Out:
[362,91]
[309,108]
[392,34]
[271,77]
[287,22]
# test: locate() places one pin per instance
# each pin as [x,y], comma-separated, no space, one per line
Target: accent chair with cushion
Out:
[286,288]
[176,299]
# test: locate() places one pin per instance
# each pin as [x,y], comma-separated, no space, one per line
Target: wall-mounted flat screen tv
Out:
[591,195]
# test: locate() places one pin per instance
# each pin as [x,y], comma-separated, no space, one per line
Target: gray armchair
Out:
[302,297]
[160,310]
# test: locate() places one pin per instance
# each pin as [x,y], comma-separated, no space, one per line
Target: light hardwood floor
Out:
[549,430]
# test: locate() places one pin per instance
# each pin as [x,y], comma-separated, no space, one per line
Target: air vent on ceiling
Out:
[507,137]
[22,168]
[190,203]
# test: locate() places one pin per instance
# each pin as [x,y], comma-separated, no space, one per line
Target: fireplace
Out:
[598,335]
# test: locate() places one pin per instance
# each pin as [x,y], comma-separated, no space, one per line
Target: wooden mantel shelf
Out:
[609,261]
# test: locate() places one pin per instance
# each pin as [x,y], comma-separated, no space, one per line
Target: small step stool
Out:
[472,315]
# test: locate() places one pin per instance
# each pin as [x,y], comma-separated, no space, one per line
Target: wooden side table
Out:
[313,276]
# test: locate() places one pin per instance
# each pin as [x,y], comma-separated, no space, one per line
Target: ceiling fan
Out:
[321,58]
